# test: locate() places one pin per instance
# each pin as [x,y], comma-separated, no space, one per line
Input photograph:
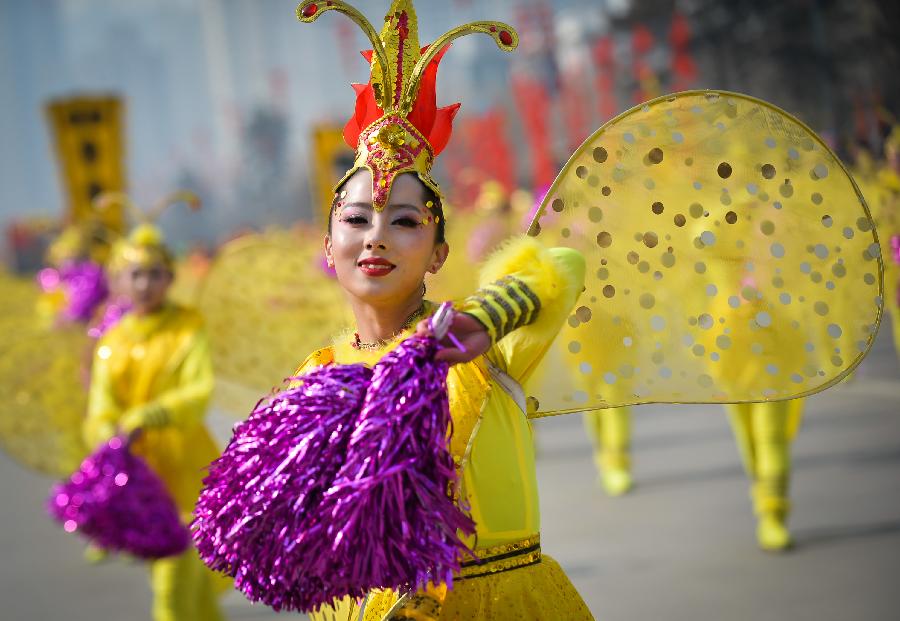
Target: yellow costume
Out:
[610,432]
[526,294]
[159,366]
[887,216]
[153,372]
[764,432]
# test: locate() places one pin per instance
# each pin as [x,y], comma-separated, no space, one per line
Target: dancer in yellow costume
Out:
[386,231]
[887,216]
[152,376]
[609,429]
[763,431]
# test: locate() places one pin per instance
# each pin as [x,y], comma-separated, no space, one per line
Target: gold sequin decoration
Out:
[503,557]
[765,282]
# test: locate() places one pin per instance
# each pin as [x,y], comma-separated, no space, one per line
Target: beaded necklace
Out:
[380,343]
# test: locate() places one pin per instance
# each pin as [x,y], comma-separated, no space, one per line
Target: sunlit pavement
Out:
[680,546]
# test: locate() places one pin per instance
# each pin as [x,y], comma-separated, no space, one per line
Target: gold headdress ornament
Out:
[145,244]
[397,127]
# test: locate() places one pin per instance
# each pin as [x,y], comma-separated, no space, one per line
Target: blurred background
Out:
[238,102]
[226,97]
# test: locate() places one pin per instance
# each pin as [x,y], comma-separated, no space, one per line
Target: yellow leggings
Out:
[763,432]
[183,589]
[610,431]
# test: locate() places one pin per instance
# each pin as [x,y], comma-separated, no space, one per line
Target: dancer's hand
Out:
[143,416]
[467,330]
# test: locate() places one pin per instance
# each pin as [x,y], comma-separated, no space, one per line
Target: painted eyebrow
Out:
[392,206]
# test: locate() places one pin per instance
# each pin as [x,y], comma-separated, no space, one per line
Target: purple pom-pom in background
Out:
[116,501]
[84,285]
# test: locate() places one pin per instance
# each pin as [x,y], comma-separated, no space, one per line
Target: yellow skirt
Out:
[512,581]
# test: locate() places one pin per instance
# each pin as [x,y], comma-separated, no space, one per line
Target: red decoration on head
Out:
[397,127]
[435,124]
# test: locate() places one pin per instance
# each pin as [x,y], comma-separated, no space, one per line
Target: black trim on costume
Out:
[530,295]
[499,571]
[502,557]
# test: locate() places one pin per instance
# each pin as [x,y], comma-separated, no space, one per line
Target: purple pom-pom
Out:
[82,282]
[394,519]
[256,516]
[120,505]
[340,485]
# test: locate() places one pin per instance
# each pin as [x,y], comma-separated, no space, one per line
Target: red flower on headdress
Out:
[436,124]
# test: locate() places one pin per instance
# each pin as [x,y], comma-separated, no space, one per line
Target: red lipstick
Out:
[375,266]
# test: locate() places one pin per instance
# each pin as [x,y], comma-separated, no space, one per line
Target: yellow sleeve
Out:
[525,295]
[103,409]
[313,361]
[186,402]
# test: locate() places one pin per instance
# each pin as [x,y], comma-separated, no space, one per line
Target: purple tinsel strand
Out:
[254,518]
[895,247]
[112,313]
[117,502]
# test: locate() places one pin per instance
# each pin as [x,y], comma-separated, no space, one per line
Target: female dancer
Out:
[386,232]
[152,378]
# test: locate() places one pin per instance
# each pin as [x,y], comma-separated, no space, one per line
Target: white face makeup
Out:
[381,257]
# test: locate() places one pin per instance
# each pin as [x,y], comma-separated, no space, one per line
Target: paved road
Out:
[680,547]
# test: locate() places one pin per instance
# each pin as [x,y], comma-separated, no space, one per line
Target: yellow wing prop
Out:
[267,303]
[43,398]
[730,255]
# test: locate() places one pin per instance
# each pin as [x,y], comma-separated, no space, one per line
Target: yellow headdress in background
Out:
[397,127]
[145,244]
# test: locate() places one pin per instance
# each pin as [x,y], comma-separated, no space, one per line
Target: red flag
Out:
[605,81]
[641,43]
[683,67]
[534,108]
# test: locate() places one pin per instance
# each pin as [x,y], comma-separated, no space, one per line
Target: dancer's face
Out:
[145,286]
[381,257]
